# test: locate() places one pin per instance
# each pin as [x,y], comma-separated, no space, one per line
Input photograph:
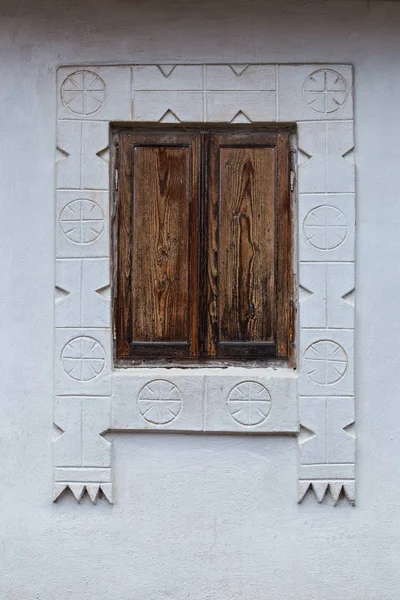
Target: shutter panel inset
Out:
[249,259]
[158,212]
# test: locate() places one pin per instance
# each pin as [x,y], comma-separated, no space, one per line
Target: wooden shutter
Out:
[249,246]
[203,245]
[158,230]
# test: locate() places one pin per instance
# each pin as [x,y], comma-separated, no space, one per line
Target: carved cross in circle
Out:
[160,402]
[325,91]
[83,92]
[83,358]
[82,221]
[249,403]
[325,227]
[325,362]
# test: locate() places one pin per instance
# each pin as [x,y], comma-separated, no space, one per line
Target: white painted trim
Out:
[91,396]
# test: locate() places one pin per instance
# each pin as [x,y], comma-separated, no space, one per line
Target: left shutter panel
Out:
[158,231]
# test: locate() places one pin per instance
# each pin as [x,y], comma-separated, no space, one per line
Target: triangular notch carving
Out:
[350,297]
[166,70]
[238,69]
[104,154]
[60,293]
[169,117]
[61,154]
[105,292]
[240,117]
[305,434]
[302,157]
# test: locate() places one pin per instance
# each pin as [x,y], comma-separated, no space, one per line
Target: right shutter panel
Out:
[245,234]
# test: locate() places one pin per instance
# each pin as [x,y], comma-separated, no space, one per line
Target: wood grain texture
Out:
[249,245]
[123,308]
[284,282]
[160,294]
[204,244]
[246,245]
[157,248]
[211,225]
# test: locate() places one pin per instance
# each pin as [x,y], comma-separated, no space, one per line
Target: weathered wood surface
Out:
[246,245]
[204,245]
[160,235]
[157,249]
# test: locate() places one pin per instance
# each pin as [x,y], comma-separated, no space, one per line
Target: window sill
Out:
[210,400]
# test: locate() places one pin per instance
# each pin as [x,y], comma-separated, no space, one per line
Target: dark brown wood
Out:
[157,246]
[160,253]
[246,244]
[249,248]
[204,245]
[284,280]
[212,224]
[194,247]
[247,350]
[123,306]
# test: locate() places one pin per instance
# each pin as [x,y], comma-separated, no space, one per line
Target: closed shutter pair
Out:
[203,251]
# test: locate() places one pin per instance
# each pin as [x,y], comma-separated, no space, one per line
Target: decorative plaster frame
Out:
[91,396]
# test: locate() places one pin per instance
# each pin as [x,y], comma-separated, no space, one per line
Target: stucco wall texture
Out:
[196,517]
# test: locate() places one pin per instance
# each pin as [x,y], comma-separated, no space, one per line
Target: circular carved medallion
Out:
[325,362]
[325,91]
[83,92]
[82,221]
[83,358]
[160,402]
[325,227]
[249,403]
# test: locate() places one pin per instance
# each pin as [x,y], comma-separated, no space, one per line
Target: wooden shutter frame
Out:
[285,319]
[125,348]
[283,346]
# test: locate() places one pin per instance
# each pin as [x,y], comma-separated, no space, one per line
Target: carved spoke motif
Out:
[325,91]
[82,221]
[249,403]
[326,362]
[325,227]
[160,402]
[83,92]
[83,358]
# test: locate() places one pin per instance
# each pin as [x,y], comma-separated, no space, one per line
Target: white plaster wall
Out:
[196,517]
